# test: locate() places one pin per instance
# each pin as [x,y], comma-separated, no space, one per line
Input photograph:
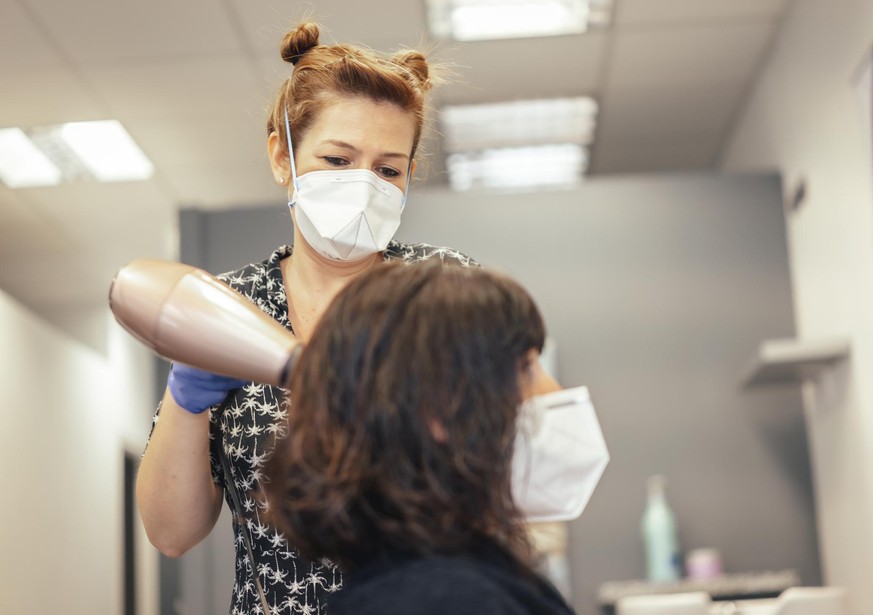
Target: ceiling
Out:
[191,80]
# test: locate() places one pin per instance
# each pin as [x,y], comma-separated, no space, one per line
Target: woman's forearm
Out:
[177,498]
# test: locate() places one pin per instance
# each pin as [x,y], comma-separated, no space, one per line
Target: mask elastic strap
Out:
[291,155]
[406,189]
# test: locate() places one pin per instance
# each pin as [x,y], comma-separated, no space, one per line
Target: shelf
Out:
[740,586]
[791,361]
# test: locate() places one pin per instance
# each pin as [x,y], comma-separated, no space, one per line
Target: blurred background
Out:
[685,186]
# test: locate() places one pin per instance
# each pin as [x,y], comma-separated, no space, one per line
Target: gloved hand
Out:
[196,390]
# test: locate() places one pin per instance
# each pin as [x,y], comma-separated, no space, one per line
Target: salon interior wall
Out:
[70,414]
[657,291]
[805,119]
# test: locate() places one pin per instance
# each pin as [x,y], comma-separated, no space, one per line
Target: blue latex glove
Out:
[196,390]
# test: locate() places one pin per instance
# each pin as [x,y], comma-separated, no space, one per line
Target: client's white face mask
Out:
[559,456]
[345,215]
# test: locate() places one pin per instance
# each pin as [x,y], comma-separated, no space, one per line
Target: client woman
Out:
[396,462]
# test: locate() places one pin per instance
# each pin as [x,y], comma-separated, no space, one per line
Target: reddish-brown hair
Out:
[324,73]
[403,413]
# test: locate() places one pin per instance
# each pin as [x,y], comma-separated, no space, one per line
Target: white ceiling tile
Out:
[274,70]
[166,90]
[43,96]
[383,27]
[226,185]
[670,126]
[58,278]
[99,32]
[263,22]
[525,68]
[63,282]
[23,230]
[205,138]
[93,210]
[650,12]
[10,206]
[22,43]
[667,57]
[646,154]
[107,225]
[659,112]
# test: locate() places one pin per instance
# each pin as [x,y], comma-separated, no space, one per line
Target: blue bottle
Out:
[663,561]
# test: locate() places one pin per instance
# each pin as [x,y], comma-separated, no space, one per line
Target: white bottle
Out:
[663,561]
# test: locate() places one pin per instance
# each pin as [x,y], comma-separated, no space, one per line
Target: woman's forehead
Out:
[363,122]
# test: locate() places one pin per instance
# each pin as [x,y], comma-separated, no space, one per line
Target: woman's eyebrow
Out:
[351,147]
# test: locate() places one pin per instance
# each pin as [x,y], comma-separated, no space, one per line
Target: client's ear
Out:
[533,379]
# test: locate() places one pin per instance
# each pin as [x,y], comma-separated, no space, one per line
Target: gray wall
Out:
[657,290]
[227,240]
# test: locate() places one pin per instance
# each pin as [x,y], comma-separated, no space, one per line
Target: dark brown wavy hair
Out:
[402,421]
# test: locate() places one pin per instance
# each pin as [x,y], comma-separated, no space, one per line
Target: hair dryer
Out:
[187,315]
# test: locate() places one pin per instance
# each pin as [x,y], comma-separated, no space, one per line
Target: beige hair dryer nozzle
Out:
[185,314]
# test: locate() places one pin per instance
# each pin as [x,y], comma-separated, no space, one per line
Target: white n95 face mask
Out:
[345,215]
[559,457]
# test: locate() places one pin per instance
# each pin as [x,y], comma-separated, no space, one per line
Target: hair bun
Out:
[298,41]
[416,63]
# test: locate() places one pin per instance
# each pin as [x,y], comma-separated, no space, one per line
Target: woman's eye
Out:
[389,172]
[335,161]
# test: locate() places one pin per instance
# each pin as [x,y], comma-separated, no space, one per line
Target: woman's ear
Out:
[279,163]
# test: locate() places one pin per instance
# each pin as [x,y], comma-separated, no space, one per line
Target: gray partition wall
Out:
[657,291]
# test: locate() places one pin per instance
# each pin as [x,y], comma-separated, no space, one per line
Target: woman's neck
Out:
[312,281]
[311,273]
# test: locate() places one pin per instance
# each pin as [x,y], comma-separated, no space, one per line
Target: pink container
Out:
[703,564]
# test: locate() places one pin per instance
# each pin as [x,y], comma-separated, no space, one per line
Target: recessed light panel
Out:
[520,122]
[474,20]
[538,166]
[518,144]
[47,155]
[23,164]
[106,149]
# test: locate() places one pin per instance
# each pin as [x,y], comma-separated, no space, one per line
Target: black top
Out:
[488,582]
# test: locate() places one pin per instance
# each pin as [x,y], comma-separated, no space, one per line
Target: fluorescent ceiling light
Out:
[522,122]
[106,149]
[22,164]
[471,20]
[537,166]
[519,144]
[101,151]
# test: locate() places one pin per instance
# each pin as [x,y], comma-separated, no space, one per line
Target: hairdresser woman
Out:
[342,135]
